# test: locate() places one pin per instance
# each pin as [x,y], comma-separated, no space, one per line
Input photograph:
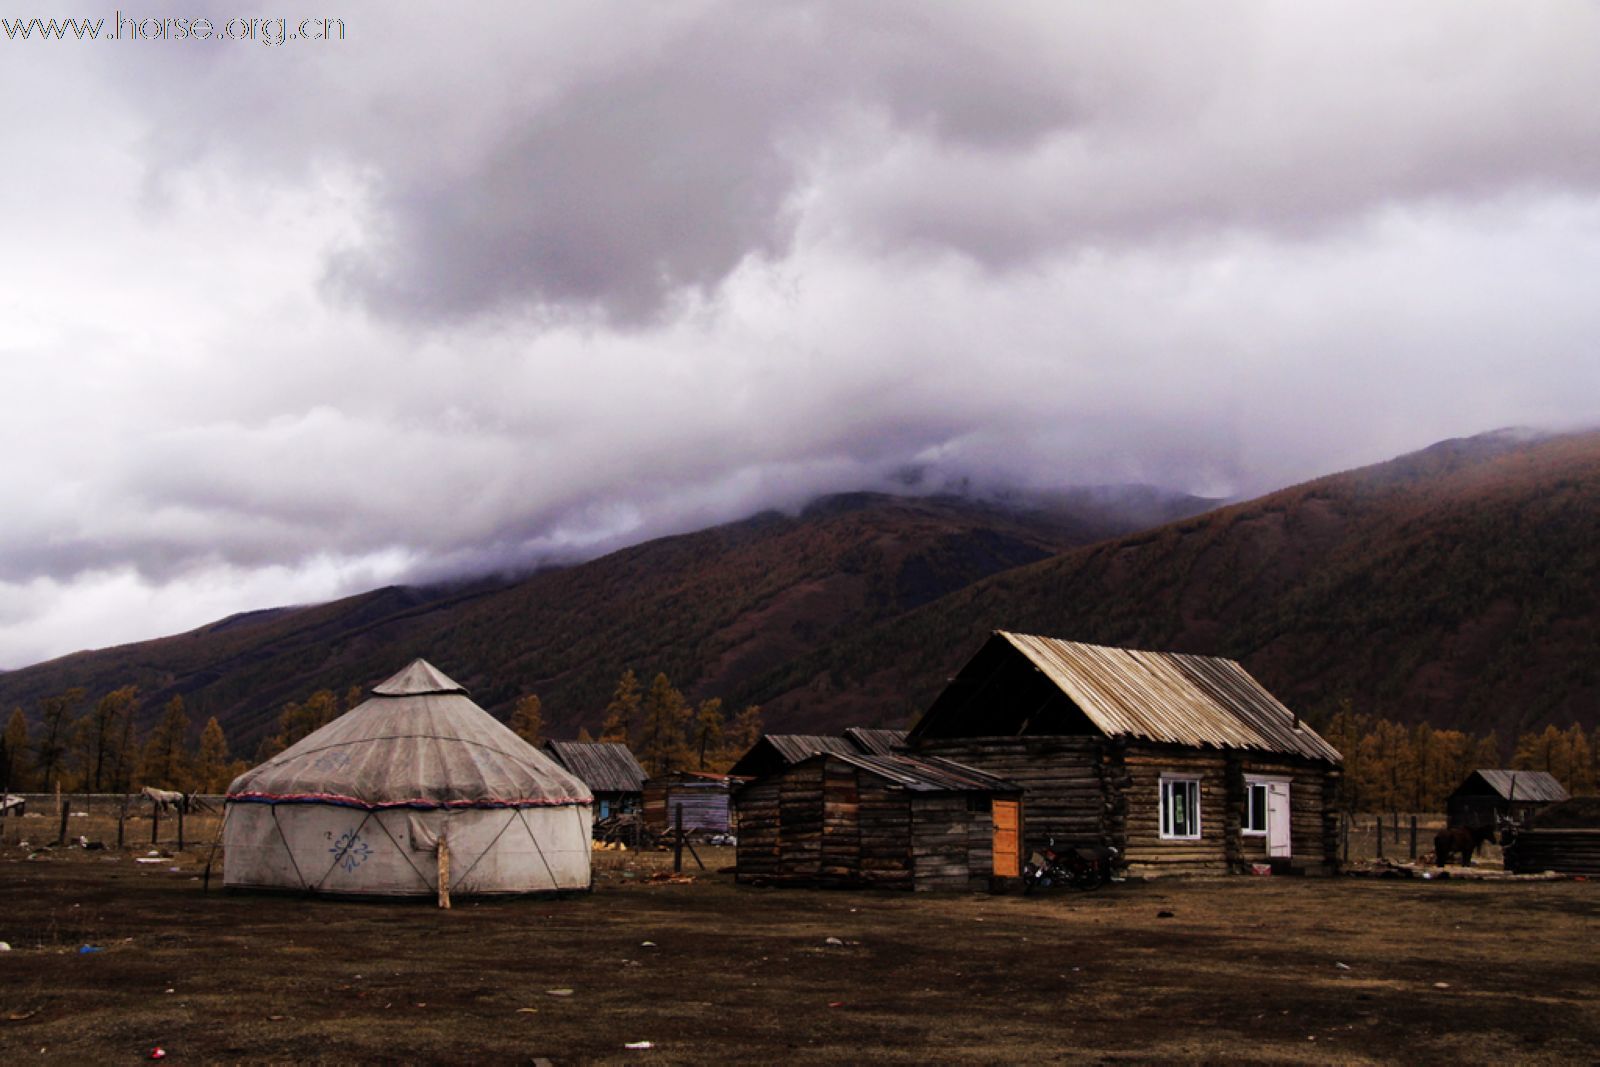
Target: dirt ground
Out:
[1258,969]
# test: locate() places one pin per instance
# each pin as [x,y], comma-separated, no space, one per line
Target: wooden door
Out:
[1007,838]
[1278,821]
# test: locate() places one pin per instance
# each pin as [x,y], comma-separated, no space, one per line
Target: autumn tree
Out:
[527,721]
[55,732]
[622,714]
[706,733]
[211,769]
[745,730]
[297,721]
[1581,769]
[662,747]
[14,753]
[166,754]
[100,732]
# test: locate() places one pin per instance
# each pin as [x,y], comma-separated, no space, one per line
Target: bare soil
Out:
[1255,969]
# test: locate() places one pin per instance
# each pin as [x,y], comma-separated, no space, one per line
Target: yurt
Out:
[362,805]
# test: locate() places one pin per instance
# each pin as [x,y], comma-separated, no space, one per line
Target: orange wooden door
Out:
[1007,838]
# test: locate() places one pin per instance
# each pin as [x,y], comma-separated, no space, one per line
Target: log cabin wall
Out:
[885,835]
[1146,852]
[800,820]
[1071,784]
[757,855]
[1313,810]
[941,841]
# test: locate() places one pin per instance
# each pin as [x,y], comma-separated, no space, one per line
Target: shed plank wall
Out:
[1063,779]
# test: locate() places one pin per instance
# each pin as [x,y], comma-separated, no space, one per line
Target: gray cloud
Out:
[461,294]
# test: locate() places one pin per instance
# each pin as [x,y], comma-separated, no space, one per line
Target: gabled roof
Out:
[1169,697]
[923,774]
[419,742]
[774,751]
[604,766]
[1532,786]
[875,742]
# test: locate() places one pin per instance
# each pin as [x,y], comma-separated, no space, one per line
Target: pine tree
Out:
[166,759]
[1580,780]
[301,720]
[352,697]
[1545,751]
[211,763]
[55,732]
[622,714]
[707,733]
[14,761]
[527,721]
[744,732]
[662,747]
[99,733]
[584,736]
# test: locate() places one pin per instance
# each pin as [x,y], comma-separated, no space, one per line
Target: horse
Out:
[165,800]
[1460,840]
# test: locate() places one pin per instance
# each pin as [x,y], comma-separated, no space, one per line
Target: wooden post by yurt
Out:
[444,870]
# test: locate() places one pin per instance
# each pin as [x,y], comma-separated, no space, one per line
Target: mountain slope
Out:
[714,609]
[1456,585]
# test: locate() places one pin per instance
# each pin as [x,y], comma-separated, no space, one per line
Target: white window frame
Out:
[1191,786]
[1251,782]
[1250,787]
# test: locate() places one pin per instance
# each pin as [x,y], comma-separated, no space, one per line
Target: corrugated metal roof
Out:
[1533,786]
[605,766]
[927,774]
[1171,697]
[875,742]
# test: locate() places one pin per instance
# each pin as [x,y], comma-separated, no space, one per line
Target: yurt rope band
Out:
[455,884]
[555,883]
[287,849]
[350,840]
[418,803]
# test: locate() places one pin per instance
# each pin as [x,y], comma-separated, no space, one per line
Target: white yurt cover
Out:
[359,805]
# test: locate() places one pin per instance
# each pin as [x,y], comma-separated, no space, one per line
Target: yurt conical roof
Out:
[418,742]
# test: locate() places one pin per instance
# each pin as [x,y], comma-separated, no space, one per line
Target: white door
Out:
[1277,818]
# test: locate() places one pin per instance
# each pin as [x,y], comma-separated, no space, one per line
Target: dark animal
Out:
[1462,841]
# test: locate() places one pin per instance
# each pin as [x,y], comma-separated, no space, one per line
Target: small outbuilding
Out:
[773,752]
[704,798]
[1487,795]
[1183,763]
[1563,837]
[610,771]
[889,822]
[364,805]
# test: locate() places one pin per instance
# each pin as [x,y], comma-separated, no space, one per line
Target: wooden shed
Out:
[889,822]
[610,771]
[1487,794]
[704,798]
[1564,837]
[1184,763]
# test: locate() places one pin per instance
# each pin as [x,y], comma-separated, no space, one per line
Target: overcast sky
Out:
[279,323]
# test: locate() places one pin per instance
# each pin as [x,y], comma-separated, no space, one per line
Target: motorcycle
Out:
[1076,868]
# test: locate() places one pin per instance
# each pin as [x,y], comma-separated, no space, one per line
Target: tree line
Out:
[1389,766]
[99,748]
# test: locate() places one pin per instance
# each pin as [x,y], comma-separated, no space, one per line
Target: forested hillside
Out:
[1455,586]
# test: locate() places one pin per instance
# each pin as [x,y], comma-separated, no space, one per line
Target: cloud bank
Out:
[472,291]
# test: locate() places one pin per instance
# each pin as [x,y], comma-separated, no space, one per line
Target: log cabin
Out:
[702,796]
[886,822]
[1183,763]
[609,769]
[773,752]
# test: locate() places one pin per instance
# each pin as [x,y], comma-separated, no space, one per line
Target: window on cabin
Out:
[1255,808]
[1180,807]
[979,803]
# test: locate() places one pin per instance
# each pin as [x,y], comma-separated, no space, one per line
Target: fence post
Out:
[1378,825]
[122,817]
[181,806]
[61,834]
[1413,837]
[677,839]
[1344,822]
[155,822]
